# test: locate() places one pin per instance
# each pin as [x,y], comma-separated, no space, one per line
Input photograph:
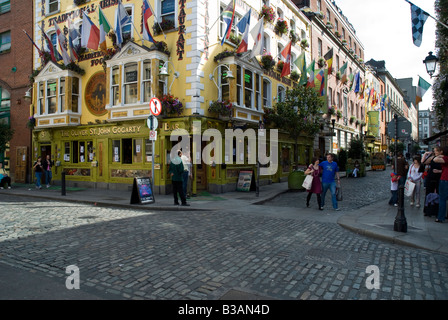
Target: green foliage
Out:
[400,147]
[356,150]
[342,159]
[6,134]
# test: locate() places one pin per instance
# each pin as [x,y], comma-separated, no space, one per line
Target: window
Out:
[130,83]
[67,151]
[5,99]
[146,81]
[51,96]
[138,151]
[319,48]
[239,84]
[5,41]
[257,92]
[61,99]
[162,82]
[127,28]
[343,33]
[330,96]
[337,63]
[266,93]
[40,99]
[281,93]
[328,15]
[52,6]
[319,5]
[167,11]
[5,6]
[336,24]
[128,150]
[248,88]
[54,42]
[224,84]
[266,43]
[148,150]
[115,92]
[75,95]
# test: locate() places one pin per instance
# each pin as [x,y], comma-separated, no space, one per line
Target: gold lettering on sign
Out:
[60,120]
[120,114]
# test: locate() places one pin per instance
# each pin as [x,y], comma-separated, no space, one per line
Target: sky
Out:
[385,30]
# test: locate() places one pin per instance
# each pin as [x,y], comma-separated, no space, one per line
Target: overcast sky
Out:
[384,29]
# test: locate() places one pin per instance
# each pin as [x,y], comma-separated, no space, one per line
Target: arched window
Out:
[266,43]
[5,98]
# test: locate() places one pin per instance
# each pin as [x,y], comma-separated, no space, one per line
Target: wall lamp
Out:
[27,96]
[431,63]
[228,76]
[164,73]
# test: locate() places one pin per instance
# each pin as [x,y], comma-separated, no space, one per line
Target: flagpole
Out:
[429,15]
[141,39]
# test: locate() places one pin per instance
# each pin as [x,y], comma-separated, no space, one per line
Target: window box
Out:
[221,108]
[165,25]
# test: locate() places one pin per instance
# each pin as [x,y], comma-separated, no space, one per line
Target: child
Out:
[394,189]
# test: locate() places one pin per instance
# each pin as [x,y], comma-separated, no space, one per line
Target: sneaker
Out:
[412,203]
[395,205]
[48,186]
[9,187]
[337,209]
[186,204]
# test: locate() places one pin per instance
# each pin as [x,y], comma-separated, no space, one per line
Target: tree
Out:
[6,134]
[298,114]
[356,150]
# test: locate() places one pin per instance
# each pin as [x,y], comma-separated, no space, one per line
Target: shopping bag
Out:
[409,188]
[308,182]
[338,192]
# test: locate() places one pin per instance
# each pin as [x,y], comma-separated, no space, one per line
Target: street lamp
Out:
[228,76]
[27,95]
[431,63]
[164,72]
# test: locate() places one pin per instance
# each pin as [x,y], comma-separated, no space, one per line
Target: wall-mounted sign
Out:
[95,94]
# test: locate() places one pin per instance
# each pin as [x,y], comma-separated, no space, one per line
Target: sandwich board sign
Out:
[142,191]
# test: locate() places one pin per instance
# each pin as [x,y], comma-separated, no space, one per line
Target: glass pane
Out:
[127,151]
[115,95]
[75,103]
[67,151]
[75,151]
[138,150]
[115,75]
[82,151]
[51,88]
[89,154]
[148,150]
[130,72]
[167,6]
[116,151]
[130,93]
[147,91]
[147,70]
[51,105]
[75,86]
[62,86]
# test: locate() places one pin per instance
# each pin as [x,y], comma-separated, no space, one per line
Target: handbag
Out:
[409,188]
[338,192]
[307,183]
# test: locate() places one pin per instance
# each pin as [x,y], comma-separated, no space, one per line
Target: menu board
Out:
[244,181]
[142,191]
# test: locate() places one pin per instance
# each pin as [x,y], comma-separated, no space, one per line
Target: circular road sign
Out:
[152,123]
[155,106]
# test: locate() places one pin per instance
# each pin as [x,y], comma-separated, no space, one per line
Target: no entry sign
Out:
[155,106]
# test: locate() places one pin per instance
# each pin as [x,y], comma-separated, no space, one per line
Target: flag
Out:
[122,19]
[72,35]
[343,72]
[357,84]
[321,77]
[329,59]
[104,29]
[49,45]
[310,83]
[38,49]
[147,13]
[62,40]
[227,16]
[383,103]
[351,77]
[418,19]
[361,91]
[422,87]
[301,64]
[243,27]
[286,53]
[257,34]
[90,37]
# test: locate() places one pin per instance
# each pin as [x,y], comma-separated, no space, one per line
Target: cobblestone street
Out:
[273,251]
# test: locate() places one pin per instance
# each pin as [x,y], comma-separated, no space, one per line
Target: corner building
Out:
[92,119]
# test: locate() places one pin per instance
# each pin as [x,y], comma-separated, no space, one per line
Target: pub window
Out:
[67,151]
[40,99]
[75,151]
[146,81]
[224,84]
[52,6]
[116,145]
[148,150]
[75,95]
[5,41]
[130,83]
[82,151]
[248,88]
[239,88]
[167,11]
[51,96]
[266,93]
[61,99]
[5,6]
[115,85]
[126,150]
[138,151]
[5,99]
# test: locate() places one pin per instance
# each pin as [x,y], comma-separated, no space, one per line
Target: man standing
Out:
[176,171]
[185,157]
[47,164]
[402,168]
[329,173]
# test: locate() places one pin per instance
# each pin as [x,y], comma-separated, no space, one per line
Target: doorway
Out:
[21,160]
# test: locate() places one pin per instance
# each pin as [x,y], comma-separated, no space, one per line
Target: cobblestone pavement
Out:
[135,254]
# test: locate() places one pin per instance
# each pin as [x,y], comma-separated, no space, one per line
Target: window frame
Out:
[161,15]
[267,94]
[5,6]
[131,83]
[2,42]
[281,90]
[144,81]
[128,7]
[47,7]
[6,107]
[61,95]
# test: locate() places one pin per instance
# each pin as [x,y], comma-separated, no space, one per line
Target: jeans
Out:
[185,182]
[394,197]
[38,178]
[332,187]
[48,176]
[177,188]
[443,194]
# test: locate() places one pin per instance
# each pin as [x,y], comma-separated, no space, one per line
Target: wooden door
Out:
[201,172]
[21,160]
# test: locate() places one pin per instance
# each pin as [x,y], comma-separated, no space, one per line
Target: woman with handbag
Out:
[315,171]
[416,177]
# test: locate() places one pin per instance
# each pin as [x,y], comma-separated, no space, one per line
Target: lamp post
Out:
[431,63]
[164,73]
[227,77]
[400,223]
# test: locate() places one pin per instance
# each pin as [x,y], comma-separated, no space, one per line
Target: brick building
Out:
[16,55]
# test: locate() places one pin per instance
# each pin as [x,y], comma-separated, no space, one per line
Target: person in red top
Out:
[443,184]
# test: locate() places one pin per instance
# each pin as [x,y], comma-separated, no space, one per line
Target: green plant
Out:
[234,38]
[331,110]
[342,159]
[339,114]
[304,44]
[294,75]
[280,66]
[352,119]
[321,62]
[267,13]
[356,150]
[281,27]
[293,36]
[171,105]
[31,122]
[222,108]
[6,134]
[267,61]
[223,54]
[165,25]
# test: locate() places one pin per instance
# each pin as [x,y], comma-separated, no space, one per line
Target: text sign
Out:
[142,191]
[153,135]
[155,106]
[404,128]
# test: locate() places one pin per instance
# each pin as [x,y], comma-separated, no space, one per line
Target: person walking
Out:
[442,158]
[4,178]
[187,172]
[38,171]
[416,177]
[47,164]
[176,171]
[330,171]
[402,168]
[394,189]
[316,187]
[432,179]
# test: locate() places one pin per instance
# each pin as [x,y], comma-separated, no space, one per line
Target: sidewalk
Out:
[375,221]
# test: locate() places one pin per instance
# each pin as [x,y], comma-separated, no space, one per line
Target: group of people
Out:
[329,171]
[43,168]
[431,171]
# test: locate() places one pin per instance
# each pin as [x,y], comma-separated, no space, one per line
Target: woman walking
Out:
[316,187]
[415,176]
[432,179]
[38,170]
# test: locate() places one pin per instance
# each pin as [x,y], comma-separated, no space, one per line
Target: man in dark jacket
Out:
[46,165]
[176,171]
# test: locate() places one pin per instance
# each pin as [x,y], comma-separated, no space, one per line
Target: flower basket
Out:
[267,62]
[31,123]
[280,66]
[293,36]
[267,13]
[304,44]
[337,34]
[321,62]
[235,39]
[294,75]
[329,25]
[331,110]
[338,75]
[352,119]
[339,114]
[171,106]
[165,25]
[221,108]
[224,54]
[281,27]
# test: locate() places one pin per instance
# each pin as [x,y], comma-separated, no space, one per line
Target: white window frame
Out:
[281,89]
[158,9]
[47,7]
[76,94]
[266,42]
[250,89]
[124,84]
[113,86]
[267,94]
[239,86]
[222,83]
[61,95]
[47,96]
[144,81]
[258,84]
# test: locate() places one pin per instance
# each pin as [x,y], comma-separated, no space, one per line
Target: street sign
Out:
[153,135]
[404,128]
[152,123]
[155,106]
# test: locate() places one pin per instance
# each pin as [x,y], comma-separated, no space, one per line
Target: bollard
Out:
[63,183]
[400,223]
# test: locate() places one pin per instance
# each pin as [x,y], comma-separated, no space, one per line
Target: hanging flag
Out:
[257,34]
[351,77]
[72,35]
[301,64]
[361,90]
[310,83]
[286,53]
[321,77]
[243,27]
[343,72]
[383,103]
[147,13]
[422,87]
[38,49]
[227,16]
[122,19]
[104,28]
[418,19]
[329,59]
[357,82]
[62,41]
[90,37]
[49,45]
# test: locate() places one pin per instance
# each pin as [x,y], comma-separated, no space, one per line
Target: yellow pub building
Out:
[91,117]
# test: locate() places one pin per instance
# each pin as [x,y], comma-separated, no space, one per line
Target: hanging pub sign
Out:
[142,191]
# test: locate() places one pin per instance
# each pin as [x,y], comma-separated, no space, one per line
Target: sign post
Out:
[156,109]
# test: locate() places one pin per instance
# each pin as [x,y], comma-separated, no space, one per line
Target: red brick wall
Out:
[17,82]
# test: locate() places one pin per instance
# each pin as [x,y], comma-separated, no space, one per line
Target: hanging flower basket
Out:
[293,36]
[294,75]
[267,13]
[280,66]
[171,105]
[304,44]
[221,108]
[331,110]
[31,123]
[339,114]
[165,25]
[352,119]
[321,62]
[223,54]
[329,25]
[281,27]
[267,62]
